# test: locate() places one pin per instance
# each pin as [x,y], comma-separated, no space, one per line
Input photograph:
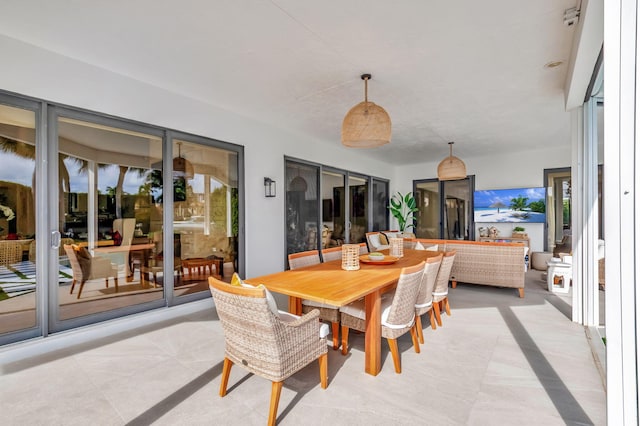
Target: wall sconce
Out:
[269,187]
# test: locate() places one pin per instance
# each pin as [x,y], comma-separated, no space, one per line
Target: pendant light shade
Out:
[181,166]
[451,168]
[366,125]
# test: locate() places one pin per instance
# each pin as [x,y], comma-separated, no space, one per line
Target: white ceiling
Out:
[468,71]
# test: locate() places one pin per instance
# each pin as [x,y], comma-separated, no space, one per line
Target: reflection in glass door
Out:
[110,184]
[457,210]
[301,207]
[17,221]
[427,195]
[380,201]
[358,209]
[333,219]
[205,216]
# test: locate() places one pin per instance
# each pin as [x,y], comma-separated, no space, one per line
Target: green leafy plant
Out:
[403,207]
[518,229]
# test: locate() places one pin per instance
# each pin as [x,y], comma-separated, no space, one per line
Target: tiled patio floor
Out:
[498,360]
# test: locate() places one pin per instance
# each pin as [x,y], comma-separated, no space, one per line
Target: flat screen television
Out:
[525,205]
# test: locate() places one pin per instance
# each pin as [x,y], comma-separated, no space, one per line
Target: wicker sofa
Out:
[487,263]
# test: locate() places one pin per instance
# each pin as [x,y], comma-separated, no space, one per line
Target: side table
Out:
[562,270]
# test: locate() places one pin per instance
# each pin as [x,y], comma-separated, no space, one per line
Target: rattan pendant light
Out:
[366,125]
[181,166]
[451,168]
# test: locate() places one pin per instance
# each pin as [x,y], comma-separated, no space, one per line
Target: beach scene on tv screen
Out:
[510,205]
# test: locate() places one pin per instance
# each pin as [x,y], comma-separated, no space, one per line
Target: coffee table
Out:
[200,265]
[153,270]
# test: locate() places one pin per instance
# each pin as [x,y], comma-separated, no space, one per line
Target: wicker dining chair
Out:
[86,267]
[424,302]
[397,313]
[328,313]
[441,290]
[333,253]
[10,252]
[363,249]
[261,342]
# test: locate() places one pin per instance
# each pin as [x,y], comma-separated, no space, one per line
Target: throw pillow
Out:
[117,238]
[374,239]
[383,239]
[238,282]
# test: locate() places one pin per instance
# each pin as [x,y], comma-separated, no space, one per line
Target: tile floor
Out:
[498,360]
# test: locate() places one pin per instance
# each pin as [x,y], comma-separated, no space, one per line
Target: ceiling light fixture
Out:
[366,125]
[181,166]
[451,168]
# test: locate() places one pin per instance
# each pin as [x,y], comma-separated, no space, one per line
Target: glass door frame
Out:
[168,233]
[39,109]
[443,202]
[52,227]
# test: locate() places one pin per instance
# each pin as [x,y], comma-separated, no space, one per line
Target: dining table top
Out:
[328,283]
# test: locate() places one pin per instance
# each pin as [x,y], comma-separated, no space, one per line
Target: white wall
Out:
[497,171]
[47,75]
[43,74]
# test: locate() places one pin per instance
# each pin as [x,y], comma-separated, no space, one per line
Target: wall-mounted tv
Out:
[510,205]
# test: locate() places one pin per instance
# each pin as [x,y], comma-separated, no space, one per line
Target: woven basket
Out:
[350,257]
[397,247]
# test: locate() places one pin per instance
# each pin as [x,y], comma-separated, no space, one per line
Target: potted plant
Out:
[518,232]
[403,207]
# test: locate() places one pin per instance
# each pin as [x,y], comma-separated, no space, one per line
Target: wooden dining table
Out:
[328,283]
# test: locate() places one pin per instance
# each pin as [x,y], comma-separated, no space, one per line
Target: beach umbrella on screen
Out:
[498,205]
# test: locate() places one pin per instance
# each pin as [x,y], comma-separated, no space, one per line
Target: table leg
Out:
[295,305]
[372,338]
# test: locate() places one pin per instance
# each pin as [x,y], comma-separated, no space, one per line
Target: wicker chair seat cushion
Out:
[326,314]
[289,317]
[356,309]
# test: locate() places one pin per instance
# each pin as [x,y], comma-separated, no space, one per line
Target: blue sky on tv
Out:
[484,199]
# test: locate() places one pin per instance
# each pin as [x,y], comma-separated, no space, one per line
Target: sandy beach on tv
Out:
[507,215]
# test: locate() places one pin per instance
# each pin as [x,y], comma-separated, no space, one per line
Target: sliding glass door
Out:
[445,209]
[328,207]
[110,192]
[20,294]
[205,216]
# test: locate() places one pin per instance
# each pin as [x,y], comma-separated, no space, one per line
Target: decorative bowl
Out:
[376,256]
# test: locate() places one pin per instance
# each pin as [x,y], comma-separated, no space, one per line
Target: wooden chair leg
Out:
[226,369]
[414,339]
[521,291]
[335,332]
[115,280]
[419,328]
[345,339]
[323,370]
[446,306]
[454,284]
[432,319]
[436,310]
[73,284]
[393,347]
[80,289]
[276,387]
[106,282]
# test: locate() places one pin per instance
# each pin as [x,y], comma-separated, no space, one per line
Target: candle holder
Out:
[350,257]
[397,247]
